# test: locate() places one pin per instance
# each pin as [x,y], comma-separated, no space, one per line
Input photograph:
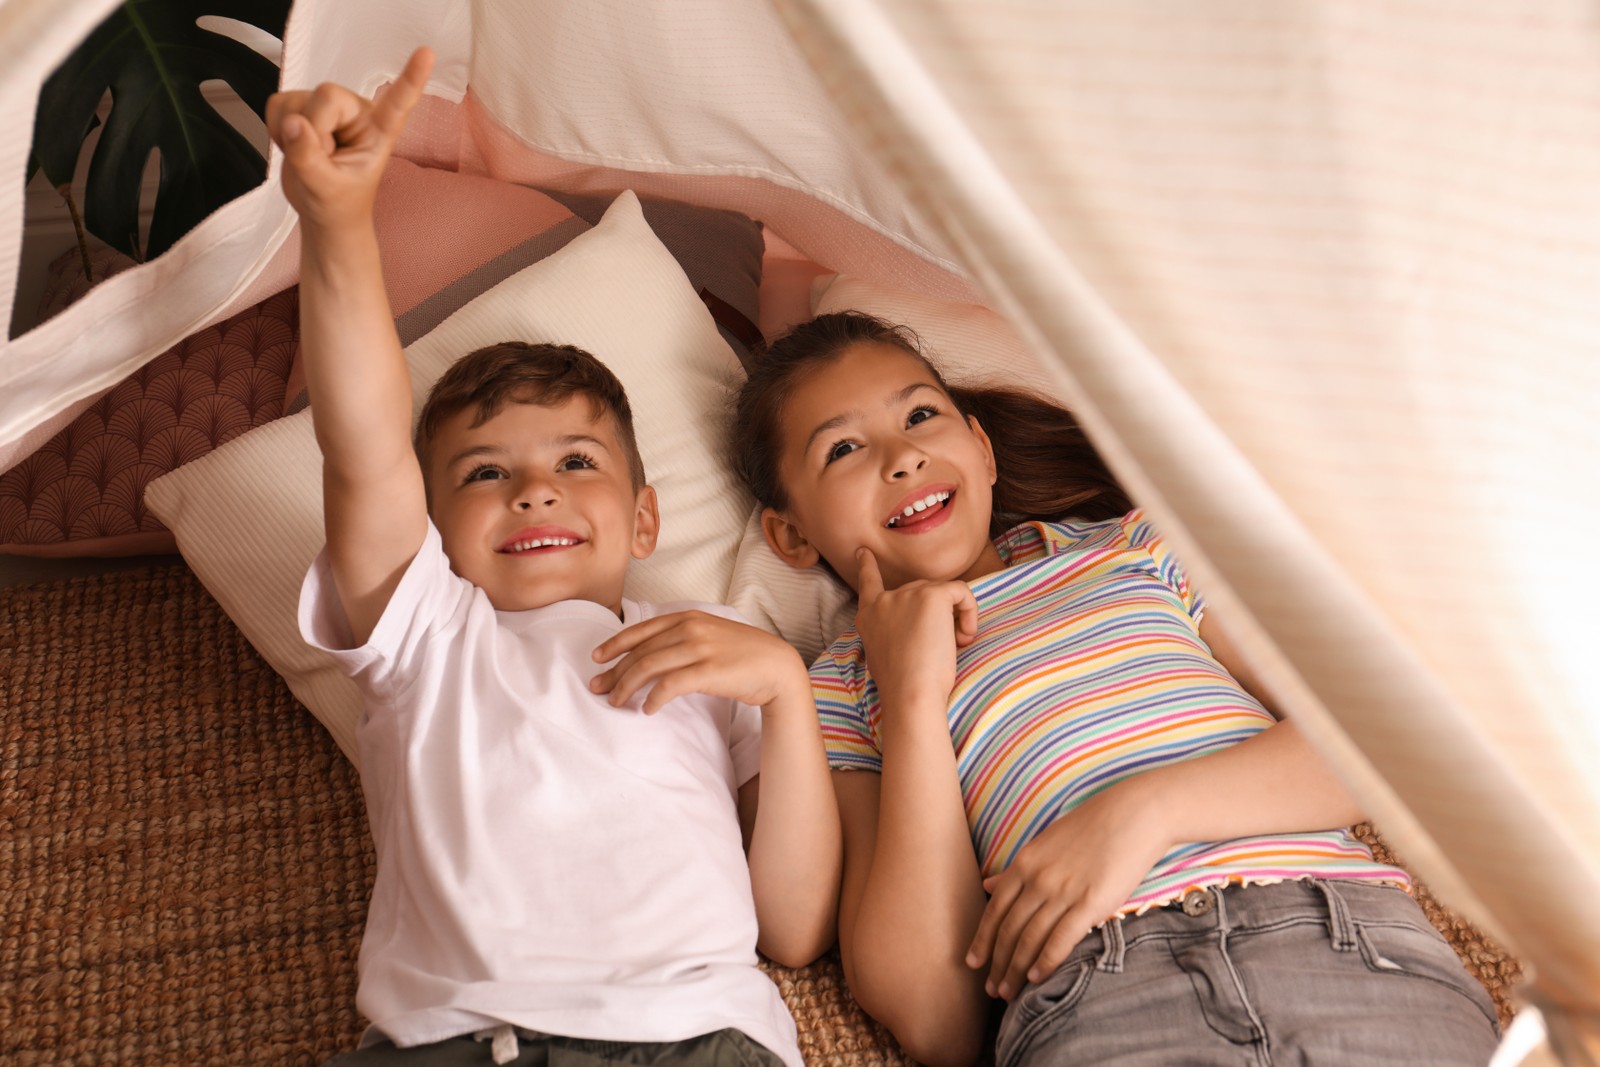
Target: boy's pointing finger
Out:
[300,147]
[396,105]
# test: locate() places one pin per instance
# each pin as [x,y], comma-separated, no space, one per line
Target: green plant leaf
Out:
[152,57]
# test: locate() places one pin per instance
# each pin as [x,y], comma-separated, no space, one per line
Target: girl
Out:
[1036,709]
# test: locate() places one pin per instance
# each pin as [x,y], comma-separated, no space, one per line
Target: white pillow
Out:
[806,608]
[967,342]
[248,516]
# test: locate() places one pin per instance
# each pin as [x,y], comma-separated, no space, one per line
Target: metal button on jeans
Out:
[1197,902]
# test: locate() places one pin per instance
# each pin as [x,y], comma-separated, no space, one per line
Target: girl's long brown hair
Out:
[1047,468]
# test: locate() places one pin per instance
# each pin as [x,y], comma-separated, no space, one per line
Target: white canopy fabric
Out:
[1320,278]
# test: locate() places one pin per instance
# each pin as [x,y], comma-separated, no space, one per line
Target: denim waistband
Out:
[1221,908]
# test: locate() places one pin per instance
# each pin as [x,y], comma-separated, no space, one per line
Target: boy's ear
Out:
[785,538]
[988,448]
[646,522]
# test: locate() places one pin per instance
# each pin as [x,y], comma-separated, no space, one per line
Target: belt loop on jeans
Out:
[1110,960]
[1341,927]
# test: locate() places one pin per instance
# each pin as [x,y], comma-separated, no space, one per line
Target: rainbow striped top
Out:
[1088,668]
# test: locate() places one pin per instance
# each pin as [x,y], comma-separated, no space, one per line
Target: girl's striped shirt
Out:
[1088,668]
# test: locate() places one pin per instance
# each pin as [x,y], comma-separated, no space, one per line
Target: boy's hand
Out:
[693,652]
[336,143]
[911,633]
[1074,874]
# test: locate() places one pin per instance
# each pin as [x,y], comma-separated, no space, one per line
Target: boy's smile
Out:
[536,504]
[875,454]
[540,539]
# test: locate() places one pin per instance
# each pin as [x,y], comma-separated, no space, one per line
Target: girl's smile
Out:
[921,513]
[875,454]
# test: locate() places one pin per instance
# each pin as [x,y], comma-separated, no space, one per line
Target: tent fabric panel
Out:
[823,231]
[699,88]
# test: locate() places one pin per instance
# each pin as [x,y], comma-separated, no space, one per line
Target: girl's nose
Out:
[907,460]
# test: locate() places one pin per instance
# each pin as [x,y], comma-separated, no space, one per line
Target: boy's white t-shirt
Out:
[544,859]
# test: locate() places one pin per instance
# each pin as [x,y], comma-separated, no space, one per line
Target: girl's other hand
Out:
[336,143]
[1074,874]
[693,652]
[911,632]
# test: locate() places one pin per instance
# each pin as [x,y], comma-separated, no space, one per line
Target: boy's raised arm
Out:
[335,145]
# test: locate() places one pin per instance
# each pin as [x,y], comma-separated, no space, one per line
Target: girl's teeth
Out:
[919,505]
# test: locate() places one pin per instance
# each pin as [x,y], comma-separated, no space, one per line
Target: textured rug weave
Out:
[184,860]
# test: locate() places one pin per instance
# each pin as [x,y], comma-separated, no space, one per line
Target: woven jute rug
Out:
[184,860]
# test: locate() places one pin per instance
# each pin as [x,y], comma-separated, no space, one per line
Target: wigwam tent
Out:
[1322,279]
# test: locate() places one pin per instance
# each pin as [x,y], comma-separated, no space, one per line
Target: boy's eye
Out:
[839,451]
[921,414]
[484,473]
[576,462]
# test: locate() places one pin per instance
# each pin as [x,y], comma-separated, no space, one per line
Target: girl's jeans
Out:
[1337,973]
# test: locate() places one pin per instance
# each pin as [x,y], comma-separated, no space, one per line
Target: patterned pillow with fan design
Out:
[82,492]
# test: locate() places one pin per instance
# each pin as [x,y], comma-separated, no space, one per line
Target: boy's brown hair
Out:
[516,372]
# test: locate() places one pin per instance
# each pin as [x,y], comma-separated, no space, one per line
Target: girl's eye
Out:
[484,472]
[839,451]
[921,414]
[576,462]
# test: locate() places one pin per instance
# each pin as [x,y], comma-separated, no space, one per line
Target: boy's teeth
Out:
[543,542]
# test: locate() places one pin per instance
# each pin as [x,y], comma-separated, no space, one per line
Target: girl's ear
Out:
[646,522]
[988,448]
[785,538]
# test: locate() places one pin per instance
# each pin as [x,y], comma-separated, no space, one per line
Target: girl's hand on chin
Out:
[911,633]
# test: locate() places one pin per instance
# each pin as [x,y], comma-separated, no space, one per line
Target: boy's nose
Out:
[534,492]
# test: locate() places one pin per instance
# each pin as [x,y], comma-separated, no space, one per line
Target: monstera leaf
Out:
[153,56]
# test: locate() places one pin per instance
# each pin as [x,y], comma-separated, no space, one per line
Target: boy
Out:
[553,865]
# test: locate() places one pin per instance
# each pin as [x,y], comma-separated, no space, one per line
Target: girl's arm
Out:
[910,899]
[1049,898]
[792,835]
[912,895]
[1295,785]
[787,812]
